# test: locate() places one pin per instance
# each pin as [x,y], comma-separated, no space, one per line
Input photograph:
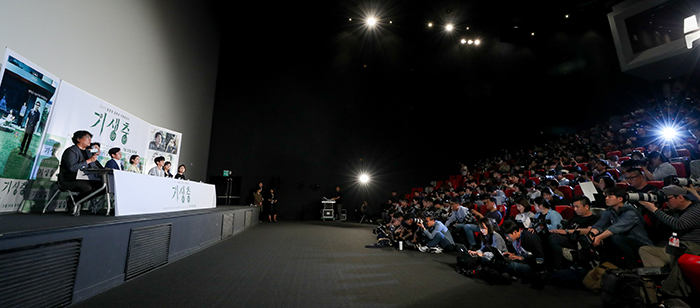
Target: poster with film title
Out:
[163,142]
[27,94]
[80,110]
[109,125]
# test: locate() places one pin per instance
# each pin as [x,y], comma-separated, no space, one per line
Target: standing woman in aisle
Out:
[272,207]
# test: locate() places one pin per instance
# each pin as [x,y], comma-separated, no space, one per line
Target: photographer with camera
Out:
[569,235]
[408,231]
[622,226]
[684,219]
[464,221]
[637,182]
[437,235]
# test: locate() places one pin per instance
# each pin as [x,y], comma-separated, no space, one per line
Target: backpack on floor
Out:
[594,276]
[625,289]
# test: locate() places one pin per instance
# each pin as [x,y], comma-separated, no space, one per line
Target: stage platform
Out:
[54,260]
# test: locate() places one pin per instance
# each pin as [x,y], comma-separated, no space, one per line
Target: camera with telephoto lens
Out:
[683,182]
[654,196]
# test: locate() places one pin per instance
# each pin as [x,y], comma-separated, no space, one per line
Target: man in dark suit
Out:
[115,163]
[33,118]
[75,158]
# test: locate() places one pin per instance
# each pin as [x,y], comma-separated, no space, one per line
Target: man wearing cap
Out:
[684,219]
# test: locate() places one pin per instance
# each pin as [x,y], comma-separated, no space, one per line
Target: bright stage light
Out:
[364,179]
[477,42]
[470,42]
[463,41]
[371,21]
[430,24]
[449,27]
[669,133]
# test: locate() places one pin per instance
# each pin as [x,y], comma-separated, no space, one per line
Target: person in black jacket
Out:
[528,257]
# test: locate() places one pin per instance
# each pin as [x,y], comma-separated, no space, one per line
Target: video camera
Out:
[540,225]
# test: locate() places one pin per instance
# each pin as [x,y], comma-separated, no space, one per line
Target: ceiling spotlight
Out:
[467,28]
[371,21]
[566,16]
[364,178]
[477,42]
[470,42]
[430,24]
[532,34]
[449,27]
[391,22]
[463,41]
[349,19]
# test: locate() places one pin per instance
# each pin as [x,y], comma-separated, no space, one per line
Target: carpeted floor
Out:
[322,264]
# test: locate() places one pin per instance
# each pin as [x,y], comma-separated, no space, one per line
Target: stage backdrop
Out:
[26,96]
[73,110]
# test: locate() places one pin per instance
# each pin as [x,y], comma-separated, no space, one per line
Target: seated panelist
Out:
[77,157]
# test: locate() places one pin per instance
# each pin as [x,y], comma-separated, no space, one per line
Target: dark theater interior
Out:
[420,153]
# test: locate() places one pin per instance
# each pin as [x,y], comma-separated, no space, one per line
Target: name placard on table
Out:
[136,194]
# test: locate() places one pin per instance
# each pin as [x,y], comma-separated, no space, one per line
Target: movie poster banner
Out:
[166,143]
[109,126]
[79,110]
[27,94]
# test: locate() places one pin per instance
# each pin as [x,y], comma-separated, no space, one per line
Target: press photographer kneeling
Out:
[683,217]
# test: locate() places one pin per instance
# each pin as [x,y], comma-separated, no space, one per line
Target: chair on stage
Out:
[76,207]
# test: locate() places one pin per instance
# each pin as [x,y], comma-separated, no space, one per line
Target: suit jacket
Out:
[113,164]
[73,160]
[32,119]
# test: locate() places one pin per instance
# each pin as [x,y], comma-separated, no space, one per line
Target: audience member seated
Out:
[75,158]
[622,228]
[491,210]
[545,216]
[571,232]
[683,217]
[552,198]
[525,214]
[662,168]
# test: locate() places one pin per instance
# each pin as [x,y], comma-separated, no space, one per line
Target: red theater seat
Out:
[683,152]
[690,267]
[566,211]
[578,191]
[569,176]
[566,190]
[623,185]
[513,210]
[658,184]
[614,173]
[680,169]
[624,158]
[509,192]
[583,166]
[611,153]
[536,179]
